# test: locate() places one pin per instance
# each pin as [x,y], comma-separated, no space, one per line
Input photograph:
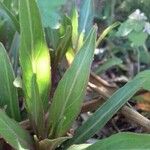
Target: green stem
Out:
[113,4]
[138,59]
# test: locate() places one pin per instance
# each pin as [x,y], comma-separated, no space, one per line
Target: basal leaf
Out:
[37,113]
[14,134]
[71,89]
[109,108]
[123,141]
[34,54]
[8,93]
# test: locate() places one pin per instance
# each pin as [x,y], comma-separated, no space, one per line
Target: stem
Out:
[138,59]
[113,4]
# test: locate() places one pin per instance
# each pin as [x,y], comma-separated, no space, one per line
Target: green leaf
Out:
[37,113]
[130,25]
[64,39]
[8,93]
[109,63]
[86,16]
[138,38]
[123,141]
[52,36]
[14,52]
[146,85]
[34,53]
[63,45]
[74,21]
[50,144]
[70,92]
[11,16]
[7,3]
[79,147]
[50,12]
[109,108]
[7,28]
[14,134]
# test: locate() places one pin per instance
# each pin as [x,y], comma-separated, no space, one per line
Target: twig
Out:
[100,86]
[136,117]
[91,105]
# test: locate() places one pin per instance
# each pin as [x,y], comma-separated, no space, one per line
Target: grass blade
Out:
[86,16]
[109,108]
[8,93]
[14,134]
[71,89]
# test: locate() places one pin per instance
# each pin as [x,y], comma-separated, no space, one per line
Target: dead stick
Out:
[128,112]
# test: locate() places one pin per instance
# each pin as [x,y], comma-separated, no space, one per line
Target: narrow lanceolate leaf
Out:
[9,13]
[37,113]
[123,141]
[109,108]
[86,16]
[34,54]
[8,93]
[74,22]
[63,45]
[71,89]
[13,134]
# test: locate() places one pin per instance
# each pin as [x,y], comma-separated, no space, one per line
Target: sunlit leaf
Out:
[8,93]
[74,21]
[79,147]
[34,54]
[71,89]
